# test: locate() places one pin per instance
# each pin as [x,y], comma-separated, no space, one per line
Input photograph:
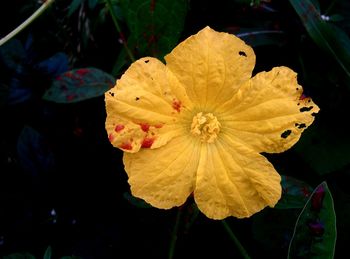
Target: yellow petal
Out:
[130,136]
[233,180]
[211,65]
[269,112]
[164,177]
[145,107]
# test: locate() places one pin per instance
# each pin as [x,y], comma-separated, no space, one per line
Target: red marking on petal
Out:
[158,126]
[110,137]
[144,127]
[147,142]
[126,146]
[118,128]
[176,105]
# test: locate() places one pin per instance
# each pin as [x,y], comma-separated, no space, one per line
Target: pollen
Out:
[206,127]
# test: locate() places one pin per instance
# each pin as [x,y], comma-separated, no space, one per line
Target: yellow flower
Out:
[198,124]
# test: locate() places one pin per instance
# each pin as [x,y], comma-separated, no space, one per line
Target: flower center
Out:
[206,127]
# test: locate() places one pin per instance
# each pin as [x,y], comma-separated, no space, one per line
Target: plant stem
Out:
[116,24]
[35,15]
[235,240]
[174,234]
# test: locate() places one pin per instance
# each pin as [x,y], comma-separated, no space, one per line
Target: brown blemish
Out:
[176,105]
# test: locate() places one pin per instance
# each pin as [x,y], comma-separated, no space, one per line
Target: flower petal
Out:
[211,65]
[269,112]
[233,180]
[164,177]
[145,106]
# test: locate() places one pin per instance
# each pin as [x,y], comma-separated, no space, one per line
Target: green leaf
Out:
[155,26]
[327,36]
[78,85]
[324,149]
[315,230]
[48,253]
[276,225]
[92,4]
[19,256]
[74,6]
[295,193]
[123,60]
[137,202]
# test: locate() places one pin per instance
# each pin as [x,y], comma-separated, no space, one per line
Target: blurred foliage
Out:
[63,186]
[78,85]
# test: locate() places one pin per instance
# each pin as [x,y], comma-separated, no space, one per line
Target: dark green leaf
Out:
[48,253]
[55,65]
[276,225]
[315,230]
[316,4]
[155,26]
[261,37]
[327,36]
[12,54]
[137,202]
[123,60]
[336,18]
[19,256]
[78,85]
[74,6]
[324,150]
[92,3]
[295,193]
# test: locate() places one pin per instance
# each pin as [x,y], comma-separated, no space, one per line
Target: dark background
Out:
[63,185]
